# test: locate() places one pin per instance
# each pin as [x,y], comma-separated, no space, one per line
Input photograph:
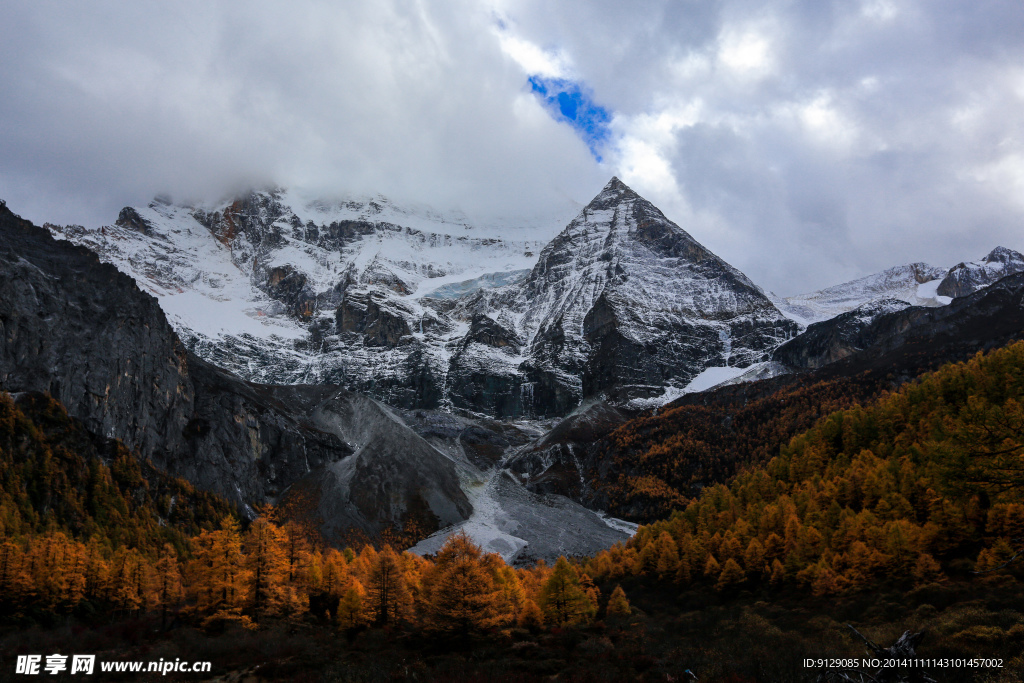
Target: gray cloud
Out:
[805,142]
[810,142]
[107,104]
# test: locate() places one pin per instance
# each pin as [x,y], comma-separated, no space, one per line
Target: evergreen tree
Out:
[562,598]
[463,595]
[386,592]
[618,605]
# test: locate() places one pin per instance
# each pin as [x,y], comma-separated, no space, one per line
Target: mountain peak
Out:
[615,185]
[612,194]
[1003,255]
[968,277]
[617,188]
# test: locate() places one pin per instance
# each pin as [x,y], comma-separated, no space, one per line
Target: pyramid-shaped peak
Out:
[614,192]
[615,185]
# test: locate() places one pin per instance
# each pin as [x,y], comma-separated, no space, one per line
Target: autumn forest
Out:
[899,510]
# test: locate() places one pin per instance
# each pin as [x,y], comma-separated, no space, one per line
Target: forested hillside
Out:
[658,463]
[653,464]
[923,484]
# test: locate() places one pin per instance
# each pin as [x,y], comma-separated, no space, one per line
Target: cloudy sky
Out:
[805,141]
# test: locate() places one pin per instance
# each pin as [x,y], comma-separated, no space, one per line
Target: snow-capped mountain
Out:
[84,333]
[914,283]
[854,316]
[257,284]
[917,284]
[966,278]
[622,298]
[430,314]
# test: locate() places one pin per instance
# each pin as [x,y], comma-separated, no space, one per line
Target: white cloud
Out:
[1004,177]
[533,59]
[747,52]
[644,146]
[825,123]
[693,66]
[412,100]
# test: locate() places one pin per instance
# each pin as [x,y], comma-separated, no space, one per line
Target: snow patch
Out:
[711,377]
[914,283]
[620,524]
[212,317]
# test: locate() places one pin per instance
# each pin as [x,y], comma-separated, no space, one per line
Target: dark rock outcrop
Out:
[394,478]
[130,218]
[83,332]
[288,286]
[486,331]
[373,317]
[826,342]
[565,461]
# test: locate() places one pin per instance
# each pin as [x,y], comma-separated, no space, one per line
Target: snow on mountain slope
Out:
[180,262]
[250,285]
[455,223]
[915,283]
[918,284]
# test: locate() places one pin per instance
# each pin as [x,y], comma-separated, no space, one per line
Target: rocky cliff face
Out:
[438,316]
[82,331]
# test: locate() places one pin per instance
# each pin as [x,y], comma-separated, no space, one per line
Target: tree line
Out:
[270,572]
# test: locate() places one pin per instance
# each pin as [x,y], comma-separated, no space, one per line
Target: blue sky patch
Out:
[568,101]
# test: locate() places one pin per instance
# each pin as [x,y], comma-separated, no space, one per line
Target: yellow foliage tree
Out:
[387,595]
[464,595]
[562,598]
[732,575]
[618,605]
